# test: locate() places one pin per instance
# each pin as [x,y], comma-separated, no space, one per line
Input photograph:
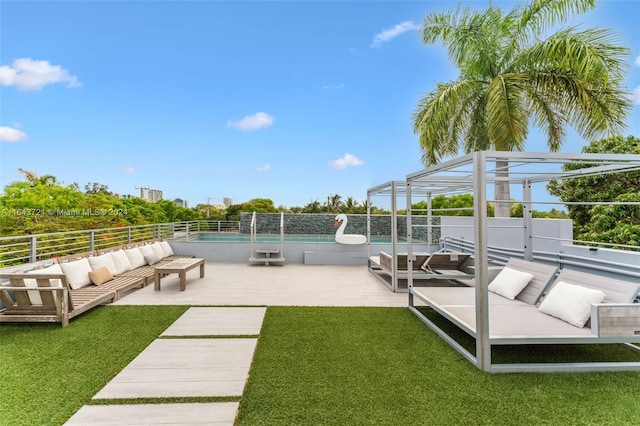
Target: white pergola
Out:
[474,174]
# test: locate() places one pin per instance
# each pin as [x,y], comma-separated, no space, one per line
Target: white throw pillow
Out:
[158,250]
[34,296]
[121,261]
[135,257]
[168,251]
[510,282]
[104,260]
[571,303]
[77,273]
[151,259]
[146,249]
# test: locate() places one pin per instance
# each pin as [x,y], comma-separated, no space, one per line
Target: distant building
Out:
[180,202]
[151,195]
[227,201]
[127,196]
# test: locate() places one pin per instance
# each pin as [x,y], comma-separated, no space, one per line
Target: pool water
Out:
[272,238]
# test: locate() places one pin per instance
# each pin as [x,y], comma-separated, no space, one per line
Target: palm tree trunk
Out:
[502,190]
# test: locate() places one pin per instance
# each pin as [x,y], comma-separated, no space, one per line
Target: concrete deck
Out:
[213,365]
[237,284]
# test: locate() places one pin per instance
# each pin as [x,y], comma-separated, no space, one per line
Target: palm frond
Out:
[507,117]
[548,117]
[534,19]
[441,118]
[539,16]
[470,38]
[477,137]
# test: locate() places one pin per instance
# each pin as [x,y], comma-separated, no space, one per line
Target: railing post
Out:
[527,219]
[33,241]
[91,240]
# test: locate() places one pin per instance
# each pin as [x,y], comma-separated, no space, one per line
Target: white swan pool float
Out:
[341,237]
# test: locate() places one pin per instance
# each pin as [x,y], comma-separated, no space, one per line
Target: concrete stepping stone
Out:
[218,322]
[185,367]
[210,413]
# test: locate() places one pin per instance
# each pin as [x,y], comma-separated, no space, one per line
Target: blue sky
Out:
[287,100]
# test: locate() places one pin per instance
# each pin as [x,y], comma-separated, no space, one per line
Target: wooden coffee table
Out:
[178,266]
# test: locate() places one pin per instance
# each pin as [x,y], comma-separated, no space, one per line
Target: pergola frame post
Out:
[483,347]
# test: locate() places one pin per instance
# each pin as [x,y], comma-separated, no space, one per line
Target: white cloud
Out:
[635,95]
[9,134]
[28,74]
[256,121]
[393,32]
[128,169]
[333,86]
[347,161]
[264,169]
[637,61]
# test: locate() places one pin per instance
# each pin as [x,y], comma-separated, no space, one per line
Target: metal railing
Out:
[502,254]
[15,250]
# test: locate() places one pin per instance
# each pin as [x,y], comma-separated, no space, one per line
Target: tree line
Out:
[42,204]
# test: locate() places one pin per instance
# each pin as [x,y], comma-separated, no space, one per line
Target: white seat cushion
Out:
[510,282]
[571,303]
[34,296]
[77,273]
[145,249]
[104,260]
[158,250]
[121,261]
[168,251]
[135,257]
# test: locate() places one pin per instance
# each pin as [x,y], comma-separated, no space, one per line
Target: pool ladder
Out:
[266,255]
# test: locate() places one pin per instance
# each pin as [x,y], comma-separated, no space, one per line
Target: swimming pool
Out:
[229,237]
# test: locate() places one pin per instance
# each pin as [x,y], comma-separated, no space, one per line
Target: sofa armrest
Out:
[615,319]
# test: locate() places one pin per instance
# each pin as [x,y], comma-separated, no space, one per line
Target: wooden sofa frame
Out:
[60,304]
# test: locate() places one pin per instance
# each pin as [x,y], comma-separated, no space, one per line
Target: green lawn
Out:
[342,366]
[49,372]
[354,366]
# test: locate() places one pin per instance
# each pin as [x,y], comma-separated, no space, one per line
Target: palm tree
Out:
[312,207]
[351,205]
[511,77]
[34,179]
[334,203]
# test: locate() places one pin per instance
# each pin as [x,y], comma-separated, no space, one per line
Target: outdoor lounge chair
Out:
[448,266]
[524,322]
[543,274]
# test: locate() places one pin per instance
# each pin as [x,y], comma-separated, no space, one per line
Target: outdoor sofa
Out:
[60,289]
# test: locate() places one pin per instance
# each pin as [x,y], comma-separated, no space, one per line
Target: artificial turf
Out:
[312,366]
[382,366]
[49,372]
